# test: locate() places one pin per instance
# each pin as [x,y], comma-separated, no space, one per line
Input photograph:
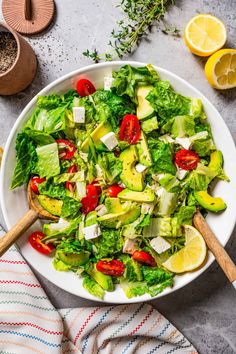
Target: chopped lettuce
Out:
[149,125]
[132,269]
[199,178]
[170,183]
[111,166]
[70,208]
[26,160]
[93,287]
[183,126]
[40,138]
[56,230]
[185,215]
[109,243]
[48,164]
[154,276]
[167,103]
[162,156]
[51,190]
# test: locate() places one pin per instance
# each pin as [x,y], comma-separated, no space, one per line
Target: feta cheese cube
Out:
[101,210]
[79,114]
[92,231]
[81,189]
[140,168]
[184,142]
[108,82]
[159,244]
[109,140]
[181,174]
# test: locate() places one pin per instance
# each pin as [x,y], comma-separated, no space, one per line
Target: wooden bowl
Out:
[23,70]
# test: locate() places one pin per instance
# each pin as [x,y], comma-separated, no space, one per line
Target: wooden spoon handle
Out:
[11,236]
[27,9]
[215,246]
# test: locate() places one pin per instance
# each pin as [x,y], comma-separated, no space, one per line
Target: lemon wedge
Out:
[220,69]
[205,34]
[191,256]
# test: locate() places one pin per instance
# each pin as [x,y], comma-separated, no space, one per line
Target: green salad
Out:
[121,169]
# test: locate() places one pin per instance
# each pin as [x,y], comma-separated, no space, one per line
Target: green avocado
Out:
[115,221]
[101,130]
[216,161]
[208,202]
[53,206]
[74,259]
[143,151]
[105,281]
[129,176]
[91,218]
[147,196]
[144,108]
[113,205]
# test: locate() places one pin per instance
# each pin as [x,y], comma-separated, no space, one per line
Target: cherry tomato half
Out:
[66,149]
[85,87]
[114,190]
[90,202]
[96,184]
[130,129]
[34,182]
[187,159]
[144,257]
[71,185]
[35,241]
[114,267]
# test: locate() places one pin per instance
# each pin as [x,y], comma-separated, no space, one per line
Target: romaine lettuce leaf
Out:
[51,190]
[162,156]
[183,126]
[109,243]
[93,287]
[48,164]
[111,166]
[155,275]
[70,208]
[48,121]
[167,103]
[199,178]
[185,215]
[40,138]
[26,160]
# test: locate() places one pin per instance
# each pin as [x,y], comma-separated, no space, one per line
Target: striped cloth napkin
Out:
[29,324]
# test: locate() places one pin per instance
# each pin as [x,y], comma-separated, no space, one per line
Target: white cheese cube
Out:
[81,189]
[140,168]
[101,210]
[63,221]
[109,140]
[79,114]
[184,142]
[92,231]
[98,171]
[108,82]
[159,244]
[181,174]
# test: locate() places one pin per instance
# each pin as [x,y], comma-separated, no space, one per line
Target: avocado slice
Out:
[105,281]
[143,151]
[216,161]
[147,196]
[101,130]
[74,259]
[113,205]
[53,206]
[91,218]
[144,108]
[129,176]
[115,221]
[208,202]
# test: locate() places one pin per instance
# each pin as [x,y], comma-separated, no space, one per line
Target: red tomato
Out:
[85,87]
[34,182]
[71,185]
[90,202]
[97,185]
[114,190]
[35,241]
[187,159]
[130,129]
[144,257]
[66,149]
[114,267]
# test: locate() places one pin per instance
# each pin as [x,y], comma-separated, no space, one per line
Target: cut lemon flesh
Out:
[191,256]
[220,69]
[205,34]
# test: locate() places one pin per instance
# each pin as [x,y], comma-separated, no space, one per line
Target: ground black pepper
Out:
[8,51]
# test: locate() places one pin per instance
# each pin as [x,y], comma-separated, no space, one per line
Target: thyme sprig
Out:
[140,16]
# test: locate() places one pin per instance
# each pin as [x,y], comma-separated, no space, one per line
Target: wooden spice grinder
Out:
[23,70]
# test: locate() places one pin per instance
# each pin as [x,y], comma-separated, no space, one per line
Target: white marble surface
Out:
[205,310]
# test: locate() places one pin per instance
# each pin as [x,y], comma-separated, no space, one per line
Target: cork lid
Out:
[28,16]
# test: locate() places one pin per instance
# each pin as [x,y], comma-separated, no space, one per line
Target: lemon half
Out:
[205,34]
[191,256]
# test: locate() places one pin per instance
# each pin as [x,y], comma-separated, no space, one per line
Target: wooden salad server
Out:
[221,256]
[36,211]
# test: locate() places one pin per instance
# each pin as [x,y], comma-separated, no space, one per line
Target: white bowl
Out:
[14,203]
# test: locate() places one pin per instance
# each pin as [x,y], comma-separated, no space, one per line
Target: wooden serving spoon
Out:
[36,211]
[221,256]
